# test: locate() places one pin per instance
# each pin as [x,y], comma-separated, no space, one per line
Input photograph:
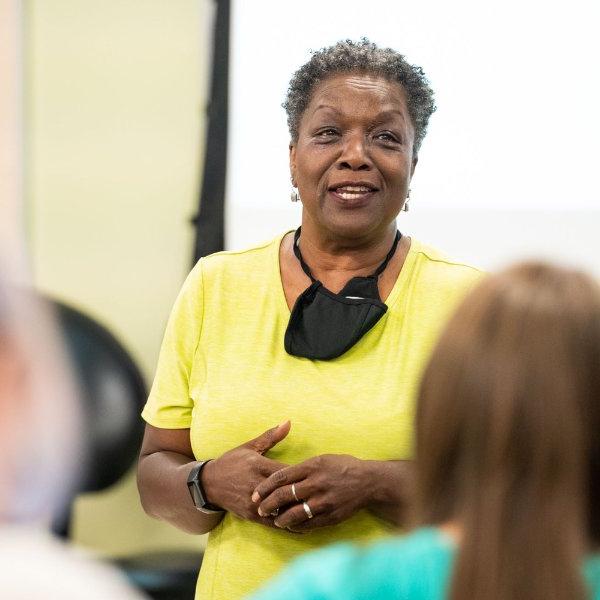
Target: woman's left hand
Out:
[330,487]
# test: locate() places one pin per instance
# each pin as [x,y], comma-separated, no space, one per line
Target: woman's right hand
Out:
[230,480]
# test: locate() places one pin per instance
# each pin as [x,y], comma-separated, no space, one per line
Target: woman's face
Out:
[353,160]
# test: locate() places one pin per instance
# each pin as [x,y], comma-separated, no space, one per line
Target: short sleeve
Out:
[170,405]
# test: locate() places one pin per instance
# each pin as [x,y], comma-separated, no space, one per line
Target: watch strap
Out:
[194,483]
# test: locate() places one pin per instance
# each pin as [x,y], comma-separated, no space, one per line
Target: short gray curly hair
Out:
[363,57]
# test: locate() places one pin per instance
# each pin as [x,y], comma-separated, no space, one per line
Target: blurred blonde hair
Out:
[508,441]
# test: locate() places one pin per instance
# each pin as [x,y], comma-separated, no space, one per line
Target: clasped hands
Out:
[257,488]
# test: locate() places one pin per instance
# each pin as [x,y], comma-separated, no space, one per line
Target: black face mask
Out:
[324,325]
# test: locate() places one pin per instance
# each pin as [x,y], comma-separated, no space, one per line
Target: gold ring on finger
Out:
[307,510]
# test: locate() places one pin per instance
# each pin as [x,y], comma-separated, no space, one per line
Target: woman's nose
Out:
[354,154]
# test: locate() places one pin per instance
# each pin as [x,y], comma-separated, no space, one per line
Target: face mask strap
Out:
[380,269]
[298,254]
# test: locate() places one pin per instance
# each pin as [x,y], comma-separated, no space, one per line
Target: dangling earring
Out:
[405,207]
[294,195]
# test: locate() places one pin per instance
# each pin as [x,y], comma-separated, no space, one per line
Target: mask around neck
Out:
[324,325]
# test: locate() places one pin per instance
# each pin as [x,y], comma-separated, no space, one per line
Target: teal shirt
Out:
[416,567]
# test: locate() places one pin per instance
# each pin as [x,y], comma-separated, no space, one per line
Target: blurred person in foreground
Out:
[40,429]
[328,327]
[507,458]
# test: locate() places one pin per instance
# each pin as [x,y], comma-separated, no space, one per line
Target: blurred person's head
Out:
[39,415]
[508,434]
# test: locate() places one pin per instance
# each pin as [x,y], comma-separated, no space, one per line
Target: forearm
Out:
[388,489]
[162,483]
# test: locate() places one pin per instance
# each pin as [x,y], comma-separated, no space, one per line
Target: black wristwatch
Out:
[197,492]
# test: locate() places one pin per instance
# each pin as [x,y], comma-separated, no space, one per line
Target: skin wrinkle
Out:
[382,119]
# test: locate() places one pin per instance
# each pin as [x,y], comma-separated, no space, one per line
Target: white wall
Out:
[508,168]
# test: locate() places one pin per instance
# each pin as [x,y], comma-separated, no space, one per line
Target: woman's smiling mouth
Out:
[352,195]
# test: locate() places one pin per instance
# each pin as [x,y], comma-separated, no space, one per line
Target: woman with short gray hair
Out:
[324,330]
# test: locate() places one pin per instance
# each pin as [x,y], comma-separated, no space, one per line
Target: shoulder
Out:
[231,265]
[416,566]
[440,263]
[434,268]
[424,545]
[240,261]
[592,575]
[413,567]
[317,575]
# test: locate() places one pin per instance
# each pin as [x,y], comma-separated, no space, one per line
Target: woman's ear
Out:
[415,160]
[292,148]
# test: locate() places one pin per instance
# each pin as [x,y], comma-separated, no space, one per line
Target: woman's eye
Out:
[326,133]
[386,136]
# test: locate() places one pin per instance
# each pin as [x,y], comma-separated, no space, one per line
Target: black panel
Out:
[210,220]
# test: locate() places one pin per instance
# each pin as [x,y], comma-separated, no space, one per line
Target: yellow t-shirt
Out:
[223,372]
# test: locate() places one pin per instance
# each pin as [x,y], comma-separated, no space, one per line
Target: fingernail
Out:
[261,513]
[255,497]
[277,524]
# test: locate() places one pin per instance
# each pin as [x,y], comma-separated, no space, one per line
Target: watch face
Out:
[196,495]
